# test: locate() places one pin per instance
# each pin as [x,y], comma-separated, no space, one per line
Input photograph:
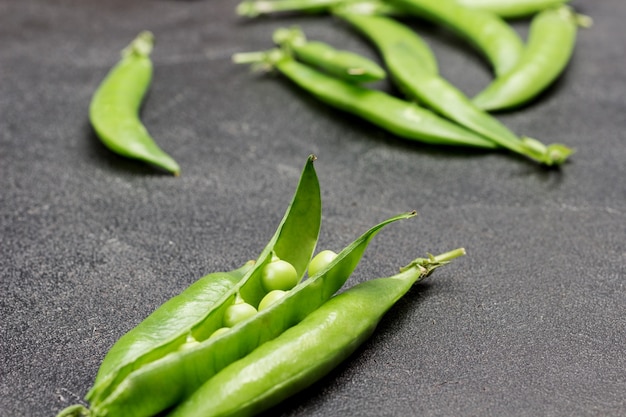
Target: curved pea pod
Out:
[114,107]
[197,313]
[165,382]
[487,32]
[340,63]
[306,352]
[512,9]
[551,41]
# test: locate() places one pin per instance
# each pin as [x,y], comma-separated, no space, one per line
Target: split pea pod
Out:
[435,92]
[114,108]
[551,40]
[339,63]
[165,382]
[404,119]
[487,32]
[306,352]
[197,312]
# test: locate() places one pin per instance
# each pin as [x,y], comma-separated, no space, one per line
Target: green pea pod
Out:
[307,351]
[434,91]
[485,31]
[551,41]
[342,64]
[511,9]
[400,117]
[294,241]
[114,108]
[169,324]
[165,382]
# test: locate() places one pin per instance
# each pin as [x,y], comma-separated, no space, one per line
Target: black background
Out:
[531,322]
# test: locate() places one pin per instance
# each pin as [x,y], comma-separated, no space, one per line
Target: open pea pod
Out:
[165,382]
[194,310]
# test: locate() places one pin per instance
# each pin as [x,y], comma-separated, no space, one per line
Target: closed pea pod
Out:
[551,41]
[114,108]
[342,64]
[435,92]
[404,119]
[306,352]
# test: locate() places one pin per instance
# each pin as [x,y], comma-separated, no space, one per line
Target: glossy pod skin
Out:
[306,352]
[404,119]
[114,108]
[432,90]
[485,31]
[551,40]
[342,64]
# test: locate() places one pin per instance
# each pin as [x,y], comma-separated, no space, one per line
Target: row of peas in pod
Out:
[236,343]
[432,110]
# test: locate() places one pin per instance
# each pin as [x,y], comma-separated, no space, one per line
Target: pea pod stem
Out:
[114,107]
[551,41]
[308,351]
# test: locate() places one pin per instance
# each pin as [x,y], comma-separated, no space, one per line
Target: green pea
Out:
[279,275]
[237,313]
[220,331]
[271,298]
[321,261]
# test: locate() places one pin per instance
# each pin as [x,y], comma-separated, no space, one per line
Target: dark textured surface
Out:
[532,322]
